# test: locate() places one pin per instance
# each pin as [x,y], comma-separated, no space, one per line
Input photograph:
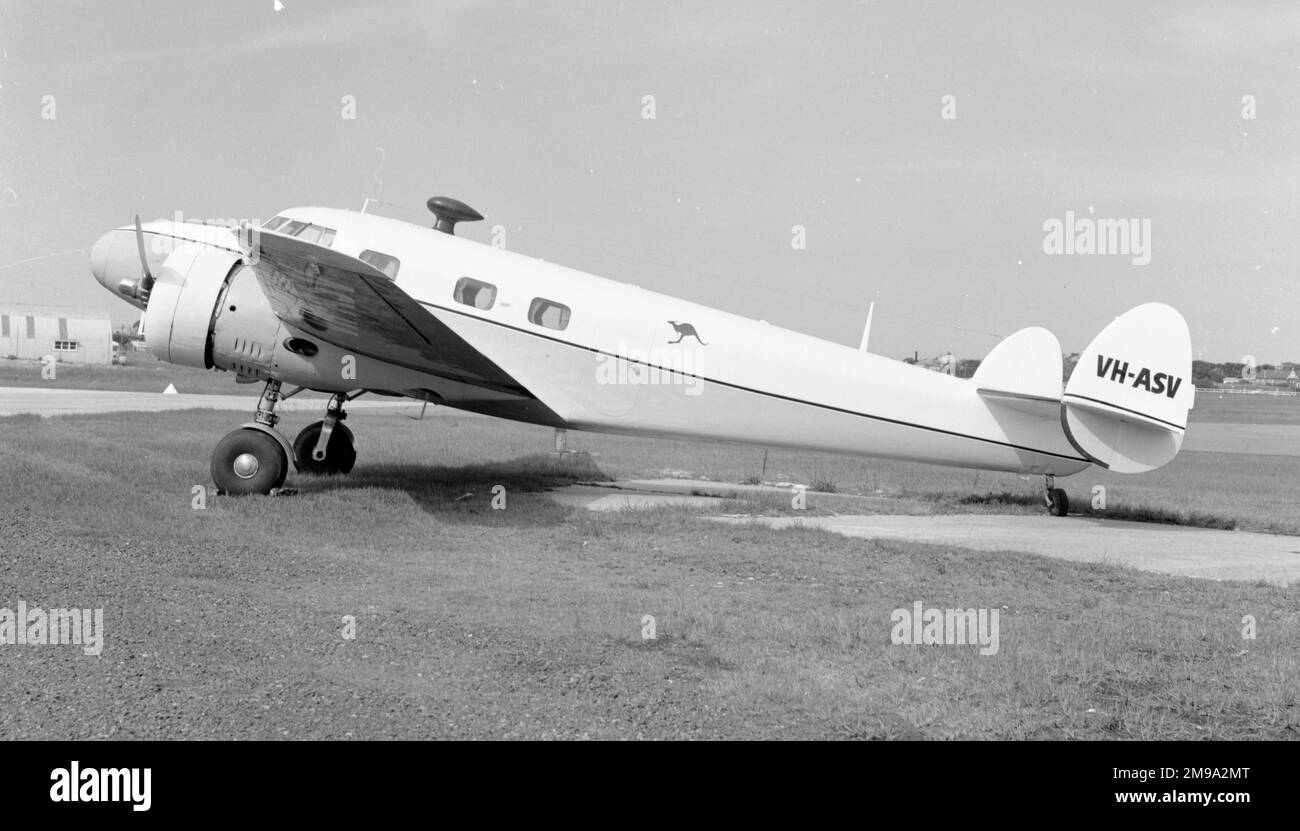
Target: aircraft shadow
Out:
[467,493]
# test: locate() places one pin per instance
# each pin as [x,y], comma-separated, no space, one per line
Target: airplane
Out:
[348,302]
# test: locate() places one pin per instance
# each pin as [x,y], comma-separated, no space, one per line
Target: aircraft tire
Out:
[340,453]
[1058,504]
[247,462]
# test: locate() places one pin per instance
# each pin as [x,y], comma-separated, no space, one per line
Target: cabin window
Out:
[383,262]
[548,313]
[275,222]
[475,293]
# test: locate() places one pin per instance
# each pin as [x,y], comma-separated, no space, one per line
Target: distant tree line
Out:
[1204,373]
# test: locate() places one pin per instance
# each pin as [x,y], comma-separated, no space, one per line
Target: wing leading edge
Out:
[350,304]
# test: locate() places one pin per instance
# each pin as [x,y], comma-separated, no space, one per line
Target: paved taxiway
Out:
[647,493]
[1167,549]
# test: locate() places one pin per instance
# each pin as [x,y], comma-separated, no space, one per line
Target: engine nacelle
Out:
[207,309]
[251,341]
[182,301]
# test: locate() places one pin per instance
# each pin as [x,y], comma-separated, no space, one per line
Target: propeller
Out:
[141,286]
[145,284]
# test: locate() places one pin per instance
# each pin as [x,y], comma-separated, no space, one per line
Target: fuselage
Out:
[607,356]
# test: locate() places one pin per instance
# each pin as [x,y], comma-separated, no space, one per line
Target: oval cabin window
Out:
[475,293]
[548,313]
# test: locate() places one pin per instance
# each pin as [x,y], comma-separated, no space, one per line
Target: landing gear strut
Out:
[254,458]
[326,447]
[1058,504]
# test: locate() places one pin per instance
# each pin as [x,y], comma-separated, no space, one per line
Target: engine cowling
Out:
[182,302]
[207,309]
[249,340]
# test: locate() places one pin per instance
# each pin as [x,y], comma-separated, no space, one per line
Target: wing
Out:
[349,303]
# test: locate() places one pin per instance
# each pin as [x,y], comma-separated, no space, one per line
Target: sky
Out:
[918,151]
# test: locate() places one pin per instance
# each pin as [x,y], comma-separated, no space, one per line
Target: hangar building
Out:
[72,335]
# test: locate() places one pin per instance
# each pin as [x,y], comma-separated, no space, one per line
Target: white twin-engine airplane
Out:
[346,303]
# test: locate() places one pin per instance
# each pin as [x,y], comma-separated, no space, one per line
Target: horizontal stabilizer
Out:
[1023,373]
[1127,399]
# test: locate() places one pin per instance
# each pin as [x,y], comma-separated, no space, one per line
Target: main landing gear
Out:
[325,447]
[255,458]
[1058,504]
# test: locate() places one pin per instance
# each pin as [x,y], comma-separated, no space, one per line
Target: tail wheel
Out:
[248,461]
[340,454]
[1058,504]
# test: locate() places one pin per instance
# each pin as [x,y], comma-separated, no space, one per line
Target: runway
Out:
[53,402]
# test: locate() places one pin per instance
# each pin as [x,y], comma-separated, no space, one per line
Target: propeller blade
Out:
[147,282]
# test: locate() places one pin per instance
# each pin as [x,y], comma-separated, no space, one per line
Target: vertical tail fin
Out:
[1126,403]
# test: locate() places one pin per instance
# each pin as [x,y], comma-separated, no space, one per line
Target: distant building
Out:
[1284,377]
[944,363]
[966,367]
[71,335]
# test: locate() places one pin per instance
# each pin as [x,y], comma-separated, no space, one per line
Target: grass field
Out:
[1244,409]
[1252,492]
[527,622]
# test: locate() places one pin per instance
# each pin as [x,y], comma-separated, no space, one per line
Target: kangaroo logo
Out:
[685,330]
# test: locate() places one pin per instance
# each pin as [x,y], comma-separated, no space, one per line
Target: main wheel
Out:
[248,461]
[340,454]
[1058,504]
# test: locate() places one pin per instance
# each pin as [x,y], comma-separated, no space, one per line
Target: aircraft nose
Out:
[113,258]
[99,253]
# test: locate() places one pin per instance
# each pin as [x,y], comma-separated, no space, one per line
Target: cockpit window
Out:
[383,262]
[548,313]
[310,234]
[275,222]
